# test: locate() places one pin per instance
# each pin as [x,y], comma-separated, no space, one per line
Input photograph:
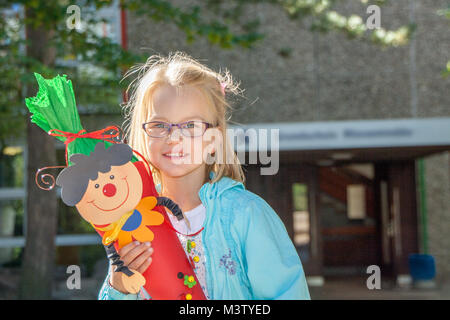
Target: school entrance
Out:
[355,204]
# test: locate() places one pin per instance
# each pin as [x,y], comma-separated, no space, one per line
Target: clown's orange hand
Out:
[138,225]
[147,202]
[150,217]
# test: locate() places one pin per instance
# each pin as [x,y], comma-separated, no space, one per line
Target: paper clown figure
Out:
[116,194]
[106,188]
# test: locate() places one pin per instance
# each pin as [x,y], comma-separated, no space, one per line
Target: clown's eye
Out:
[97,186]
[111,177]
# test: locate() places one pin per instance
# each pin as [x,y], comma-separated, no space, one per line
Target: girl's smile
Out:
[176,156]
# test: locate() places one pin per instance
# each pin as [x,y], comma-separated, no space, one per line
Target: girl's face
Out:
[176,155]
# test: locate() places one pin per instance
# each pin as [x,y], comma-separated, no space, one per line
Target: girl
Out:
[239,246]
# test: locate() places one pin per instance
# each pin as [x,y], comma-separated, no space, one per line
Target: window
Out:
[356,201]
[11,167]
[301,214]
[12,199]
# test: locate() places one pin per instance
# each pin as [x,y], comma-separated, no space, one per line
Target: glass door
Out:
[302,179]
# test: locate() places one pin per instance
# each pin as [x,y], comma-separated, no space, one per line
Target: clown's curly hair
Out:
[74,179]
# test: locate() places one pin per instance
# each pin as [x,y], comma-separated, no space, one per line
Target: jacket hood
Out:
[213,190]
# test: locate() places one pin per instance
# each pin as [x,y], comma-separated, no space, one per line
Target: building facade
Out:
[363,174]
[330,79]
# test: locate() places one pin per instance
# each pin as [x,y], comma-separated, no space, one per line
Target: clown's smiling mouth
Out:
[126,198]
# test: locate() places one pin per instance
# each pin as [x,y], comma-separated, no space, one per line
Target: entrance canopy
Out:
[354,140]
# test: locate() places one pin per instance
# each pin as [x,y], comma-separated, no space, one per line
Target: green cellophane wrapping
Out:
[54,107]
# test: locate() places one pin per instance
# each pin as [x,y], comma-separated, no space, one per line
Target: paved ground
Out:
[334,288]
[9,280]
[356,289]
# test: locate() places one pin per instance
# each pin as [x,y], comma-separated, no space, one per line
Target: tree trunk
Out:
[42,210]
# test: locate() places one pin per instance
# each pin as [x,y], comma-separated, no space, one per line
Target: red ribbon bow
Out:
[99,135]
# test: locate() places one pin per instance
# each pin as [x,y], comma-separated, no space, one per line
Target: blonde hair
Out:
[177,70]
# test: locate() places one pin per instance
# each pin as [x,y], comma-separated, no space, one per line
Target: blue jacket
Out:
[241,227]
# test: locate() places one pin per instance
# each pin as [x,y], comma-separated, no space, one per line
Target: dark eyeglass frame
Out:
[178,125]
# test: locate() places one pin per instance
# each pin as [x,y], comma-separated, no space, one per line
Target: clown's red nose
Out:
[109,190]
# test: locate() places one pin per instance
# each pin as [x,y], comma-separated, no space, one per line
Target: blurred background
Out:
[358,89]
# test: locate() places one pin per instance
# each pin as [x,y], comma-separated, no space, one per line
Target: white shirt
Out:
[196,218]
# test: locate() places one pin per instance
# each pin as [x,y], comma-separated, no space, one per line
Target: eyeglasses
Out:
[159,129]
